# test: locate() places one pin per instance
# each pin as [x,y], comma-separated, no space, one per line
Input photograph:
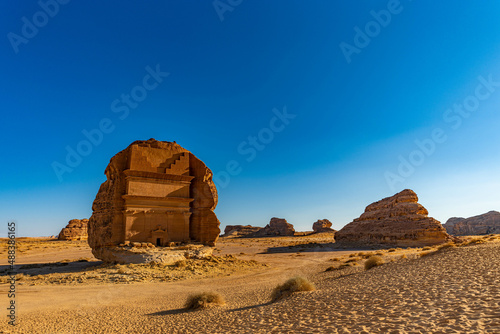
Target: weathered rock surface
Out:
[75,230]
[323,225]
[478,225]
[240,230]
[276,227]
[398,220]
[156,192]
[148,253]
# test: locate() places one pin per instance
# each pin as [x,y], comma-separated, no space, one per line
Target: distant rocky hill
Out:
[323,225]
[75,230]
[240,230]
[276,227]
[478,225]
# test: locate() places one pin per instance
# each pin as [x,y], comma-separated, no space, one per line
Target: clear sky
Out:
[327,106]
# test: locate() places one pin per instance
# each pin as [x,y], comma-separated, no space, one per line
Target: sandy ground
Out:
[454,290]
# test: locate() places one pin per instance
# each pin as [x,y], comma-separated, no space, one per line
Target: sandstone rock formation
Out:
[398,220]
[75,230]
[478,225]
[276,227]
[323,225]
[240,230]
[156,192]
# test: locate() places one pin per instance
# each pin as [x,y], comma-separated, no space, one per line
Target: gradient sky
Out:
[357,113]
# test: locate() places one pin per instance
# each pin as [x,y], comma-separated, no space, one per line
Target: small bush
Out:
[373,261]
[403,256]
[361,254]
[331,268]
[391,250]
[181,264]
[447,245]
[355,259]
[335,259]
[204,300]
[426,248]
[294,284]
[425,254]
[379,254]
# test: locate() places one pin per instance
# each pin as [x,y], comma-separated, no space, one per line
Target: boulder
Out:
[323,225]
[156,192]
[276,227]
[487,223]
[75,230]
[397,221]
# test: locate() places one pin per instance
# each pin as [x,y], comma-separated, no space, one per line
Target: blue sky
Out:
[356,114]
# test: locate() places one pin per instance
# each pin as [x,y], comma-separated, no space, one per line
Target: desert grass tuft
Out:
[447,245]
[204,300]
[294,284]
[373,261]
[181,264]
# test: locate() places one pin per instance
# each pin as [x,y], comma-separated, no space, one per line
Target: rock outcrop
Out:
[240,230]
[156,192]
[397,221]
[487,223]
[276,227]
[323,225]
[75,230]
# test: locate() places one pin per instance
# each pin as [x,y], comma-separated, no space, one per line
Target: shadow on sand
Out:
[50,268]
[183,310]
[311,247]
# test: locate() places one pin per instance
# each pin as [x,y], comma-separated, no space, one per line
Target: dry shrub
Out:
[204,300]
[373,261]
[181,264]
[403,256]
[352,255]
[331,268]
[335,259]
[355,259]
[426,248]
[423,254]
[379,254]
[447,245]
[391,250]
[361,254]
[294,284]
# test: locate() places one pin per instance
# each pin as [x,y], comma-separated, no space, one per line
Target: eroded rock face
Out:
[478,225]
[75,230]
[240,230]
[276,227]
[323,225]
[156,192]
[398,220]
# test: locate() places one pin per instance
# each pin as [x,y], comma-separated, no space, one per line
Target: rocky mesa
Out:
[487,223]
[398,220]
[323,225]
[157,195]
[276,227]
[75,230]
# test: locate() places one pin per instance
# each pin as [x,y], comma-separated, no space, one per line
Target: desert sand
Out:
[452,290]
